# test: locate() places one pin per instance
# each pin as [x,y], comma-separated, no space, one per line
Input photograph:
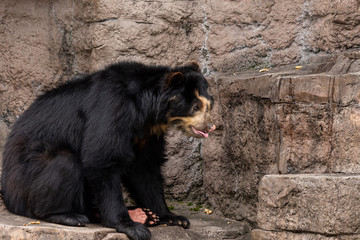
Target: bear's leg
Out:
[56,191]
[107,195]
[145,185]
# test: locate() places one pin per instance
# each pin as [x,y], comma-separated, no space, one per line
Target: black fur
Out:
[68,156]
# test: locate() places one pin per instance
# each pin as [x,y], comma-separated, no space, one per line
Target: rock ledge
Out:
[212,227]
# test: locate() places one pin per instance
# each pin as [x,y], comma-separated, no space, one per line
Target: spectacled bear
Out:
[69,154]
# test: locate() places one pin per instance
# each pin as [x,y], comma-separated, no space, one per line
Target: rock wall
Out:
[288,122]
[39,49]
[44,43]
[285,121]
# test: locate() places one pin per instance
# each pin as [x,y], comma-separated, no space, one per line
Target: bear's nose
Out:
[211,128]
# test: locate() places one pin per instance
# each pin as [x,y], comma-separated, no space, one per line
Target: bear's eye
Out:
[197,107]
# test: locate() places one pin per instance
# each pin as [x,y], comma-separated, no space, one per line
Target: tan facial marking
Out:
[198,120]
[206,102]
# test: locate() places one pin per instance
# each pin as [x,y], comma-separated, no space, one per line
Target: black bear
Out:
[71,152]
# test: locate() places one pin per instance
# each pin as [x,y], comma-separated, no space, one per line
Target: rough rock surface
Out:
[258,234]
[38,51]
[4,131]
[183,173]
[278,122]
[208,227]
[46,43]
[326,204]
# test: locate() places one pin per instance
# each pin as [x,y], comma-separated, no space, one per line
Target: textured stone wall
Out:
[44,43]
[41,45]
[288,121]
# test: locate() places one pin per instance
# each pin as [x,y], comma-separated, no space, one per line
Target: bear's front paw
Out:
[134,231]
[175,220]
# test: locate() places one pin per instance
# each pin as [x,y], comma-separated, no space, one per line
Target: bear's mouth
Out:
[203,134]
[199,133]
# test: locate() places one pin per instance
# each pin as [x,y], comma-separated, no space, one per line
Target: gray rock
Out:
[4,131]
[324,204]
[209,227]
[258,234]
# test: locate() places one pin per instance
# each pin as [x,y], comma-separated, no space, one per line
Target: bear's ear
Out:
[195,66]
[174,79]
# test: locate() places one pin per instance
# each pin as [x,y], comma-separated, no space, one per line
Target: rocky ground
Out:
[203,226]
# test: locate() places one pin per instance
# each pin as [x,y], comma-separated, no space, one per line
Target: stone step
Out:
[326,205]
[259,234]
[203,226]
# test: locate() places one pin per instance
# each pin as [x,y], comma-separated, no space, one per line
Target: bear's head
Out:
[190,103]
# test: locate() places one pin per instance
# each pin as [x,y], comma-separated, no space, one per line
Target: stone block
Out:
[307,88]
[323,204]
[346,140]
[260,86]
[258,234]
[347,89]
[15,227]
[304,138]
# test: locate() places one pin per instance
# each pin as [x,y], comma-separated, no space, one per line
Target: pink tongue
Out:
[200,132]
